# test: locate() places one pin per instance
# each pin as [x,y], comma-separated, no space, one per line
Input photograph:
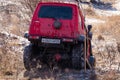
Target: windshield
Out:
[57,12]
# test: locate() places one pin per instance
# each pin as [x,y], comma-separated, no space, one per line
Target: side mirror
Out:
[89,27]
[26,35]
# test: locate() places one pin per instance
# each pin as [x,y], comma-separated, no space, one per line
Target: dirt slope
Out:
[14,21]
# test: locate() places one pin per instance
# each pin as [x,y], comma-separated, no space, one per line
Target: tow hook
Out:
[58,57]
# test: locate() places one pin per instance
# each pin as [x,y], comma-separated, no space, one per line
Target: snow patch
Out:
[117,5]
[107,13]
[22,41]
[93,20]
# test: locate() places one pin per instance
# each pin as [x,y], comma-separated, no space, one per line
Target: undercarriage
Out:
[63,56]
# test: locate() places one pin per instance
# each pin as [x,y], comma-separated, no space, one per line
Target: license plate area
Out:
[51,41]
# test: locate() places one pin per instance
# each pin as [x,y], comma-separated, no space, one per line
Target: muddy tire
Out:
[29,57]
[78,57]
[26,57]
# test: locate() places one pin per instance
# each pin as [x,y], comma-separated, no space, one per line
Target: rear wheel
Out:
[78,57]
[30,57]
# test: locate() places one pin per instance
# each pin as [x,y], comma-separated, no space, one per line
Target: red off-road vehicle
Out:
[58,36]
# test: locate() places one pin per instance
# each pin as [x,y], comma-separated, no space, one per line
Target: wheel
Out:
[29,57]
[78,57]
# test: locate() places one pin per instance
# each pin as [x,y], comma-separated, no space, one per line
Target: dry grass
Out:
[90,12]
[110,75]
[110,1]
[15,27]
[110,27]
[114,26]
[11,65]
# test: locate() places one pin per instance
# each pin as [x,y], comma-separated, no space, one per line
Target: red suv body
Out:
[68,15]
[58,33]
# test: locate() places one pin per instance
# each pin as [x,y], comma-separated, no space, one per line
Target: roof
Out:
[61,1]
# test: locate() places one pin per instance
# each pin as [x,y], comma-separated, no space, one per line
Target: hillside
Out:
[15,19]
